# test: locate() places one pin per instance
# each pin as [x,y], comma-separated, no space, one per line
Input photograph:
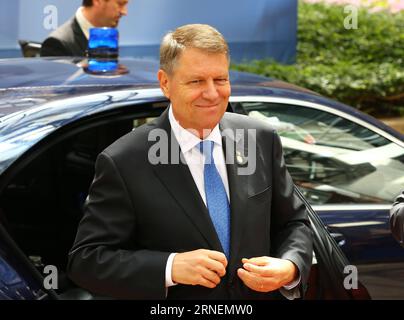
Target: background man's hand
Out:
[199,267]
[266,274]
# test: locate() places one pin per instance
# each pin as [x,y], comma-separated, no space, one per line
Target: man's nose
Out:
[210,91]
[124,11]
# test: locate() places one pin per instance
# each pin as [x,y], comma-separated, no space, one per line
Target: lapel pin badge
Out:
[239,158]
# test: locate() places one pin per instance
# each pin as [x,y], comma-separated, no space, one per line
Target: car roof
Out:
[28,83]
[64,71]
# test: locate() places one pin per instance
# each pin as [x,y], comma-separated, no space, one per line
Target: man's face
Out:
[110,11]
[198,88]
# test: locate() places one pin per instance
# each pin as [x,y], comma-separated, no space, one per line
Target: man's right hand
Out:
[199,267]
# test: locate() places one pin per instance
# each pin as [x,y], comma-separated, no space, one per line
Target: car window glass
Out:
[332,159]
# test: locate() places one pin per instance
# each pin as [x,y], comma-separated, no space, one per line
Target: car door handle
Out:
[339,238]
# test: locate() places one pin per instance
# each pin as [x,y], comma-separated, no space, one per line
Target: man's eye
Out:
[221,81]
[195,81]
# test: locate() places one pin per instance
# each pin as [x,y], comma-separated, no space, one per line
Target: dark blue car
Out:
[55,117]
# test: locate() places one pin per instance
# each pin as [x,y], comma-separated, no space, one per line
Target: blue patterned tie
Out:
[216,197]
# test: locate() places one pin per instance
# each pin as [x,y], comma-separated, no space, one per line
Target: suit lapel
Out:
[180,184]
[234,150]
[82,42]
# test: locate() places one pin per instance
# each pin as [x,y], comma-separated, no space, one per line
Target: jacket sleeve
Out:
[397,219]
[104,259]
[291,236]
[53,47]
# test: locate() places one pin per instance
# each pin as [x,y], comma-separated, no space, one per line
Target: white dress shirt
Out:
[84,24]
[189,144]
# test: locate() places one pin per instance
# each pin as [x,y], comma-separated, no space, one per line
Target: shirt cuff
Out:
[291,290]
[293,284]
[169,267]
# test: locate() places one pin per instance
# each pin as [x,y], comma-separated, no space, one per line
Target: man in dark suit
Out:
[197,204]
[71,39]
[397,219]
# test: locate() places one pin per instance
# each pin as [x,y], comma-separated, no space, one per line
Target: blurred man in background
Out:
[71,39]
[397,219]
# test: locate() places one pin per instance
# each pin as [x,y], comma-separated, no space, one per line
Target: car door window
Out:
[332,159]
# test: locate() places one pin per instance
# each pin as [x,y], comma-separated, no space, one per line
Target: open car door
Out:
[327,276]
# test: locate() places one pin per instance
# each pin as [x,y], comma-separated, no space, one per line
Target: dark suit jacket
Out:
[397,219]
[67,40]
[138,213]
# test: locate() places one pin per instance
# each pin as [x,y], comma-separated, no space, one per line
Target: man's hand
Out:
[266,274]
[199,267]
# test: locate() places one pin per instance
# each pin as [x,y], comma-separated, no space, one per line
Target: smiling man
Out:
[71,39]
[195,229]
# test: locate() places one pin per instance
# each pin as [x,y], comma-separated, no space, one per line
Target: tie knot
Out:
[206,148]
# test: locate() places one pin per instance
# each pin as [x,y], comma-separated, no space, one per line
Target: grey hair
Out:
[197,36]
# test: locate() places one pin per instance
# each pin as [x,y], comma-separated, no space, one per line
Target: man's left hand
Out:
[266,274]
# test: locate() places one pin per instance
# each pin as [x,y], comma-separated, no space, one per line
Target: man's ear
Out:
[164,82]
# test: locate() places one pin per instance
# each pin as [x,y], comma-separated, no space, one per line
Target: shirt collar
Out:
[186,139]
[84,24]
